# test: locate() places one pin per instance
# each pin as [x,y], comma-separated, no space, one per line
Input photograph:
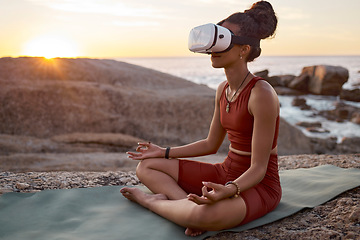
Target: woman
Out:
[246,186]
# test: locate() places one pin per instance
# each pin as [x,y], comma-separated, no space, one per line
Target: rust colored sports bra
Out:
[238,122]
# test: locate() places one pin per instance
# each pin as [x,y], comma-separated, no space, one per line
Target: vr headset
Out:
[212,38]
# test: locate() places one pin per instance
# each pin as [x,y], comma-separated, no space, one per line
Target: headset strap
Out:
[242,40]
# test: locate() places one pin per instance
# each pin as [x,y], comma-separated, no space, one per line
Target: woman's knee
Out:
[144,166]
[169,167]
[141,168]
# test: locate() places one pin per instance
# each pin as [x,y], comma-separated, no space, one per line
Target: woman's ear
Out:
[245,50]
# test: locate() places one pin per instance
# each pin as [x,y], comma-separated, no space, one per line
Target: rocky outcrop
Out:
[342,112]
[322,79]
[318,79]
[43,98]
[68,143]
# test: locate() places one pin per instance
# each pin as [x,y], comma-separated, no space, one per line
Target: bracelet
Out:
[237,194]
[167,151]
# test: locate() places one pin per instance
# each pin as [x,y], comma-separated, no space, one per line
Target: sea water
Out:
[198,69]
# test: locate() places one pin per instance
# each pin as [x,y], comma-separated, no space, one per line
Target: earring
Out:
[240,57]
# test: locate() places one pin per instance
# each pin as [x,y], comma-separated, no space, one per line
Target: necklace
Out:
[228,102]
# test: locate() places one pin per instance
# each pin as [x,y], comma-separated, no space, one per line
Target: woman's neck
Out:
[236,75]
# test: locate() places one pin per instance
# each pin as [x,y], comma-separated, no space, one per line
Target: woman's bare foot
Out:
[193,232]
[144,199]
[138,196]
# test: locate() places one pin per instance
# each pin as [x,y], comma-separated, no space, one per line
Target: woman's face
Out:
[224,59]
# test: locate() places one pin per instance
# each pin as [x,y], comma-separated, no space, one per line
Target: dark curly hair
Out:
[259,22]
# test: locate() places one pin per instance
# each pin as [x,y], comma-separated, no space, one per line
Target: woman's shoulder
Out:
[263,87]
[220,89]
[262,93]
[221,86]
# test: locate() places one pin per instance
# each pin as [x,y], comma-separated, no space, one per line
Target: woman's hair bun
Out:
[264,16]
[259,22]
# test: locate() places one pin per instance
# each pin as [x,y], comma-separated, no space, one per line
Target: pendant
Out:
[227,107]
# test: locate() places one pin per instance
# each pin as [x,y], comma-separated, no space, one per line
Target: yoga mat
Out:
[102,213]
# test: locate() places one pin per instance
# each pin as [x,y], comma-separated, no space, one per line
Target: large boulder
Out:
[43,98]
[300,83]
[328,80]
[292,141]
[321,80]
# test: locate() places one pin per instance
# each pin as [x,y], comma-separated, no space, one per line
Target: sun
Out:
[50,47]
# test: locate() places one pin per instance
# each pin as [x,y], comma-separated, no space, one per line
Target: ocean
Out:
[198,69]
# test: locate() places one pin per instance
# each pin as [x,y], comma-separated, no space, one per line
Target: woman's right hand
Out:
[147,150]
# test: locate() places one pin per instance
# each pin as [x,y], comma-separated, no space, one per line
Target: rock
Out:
[349,144]
[286,79]
[314,127]
[112,139]
[317,130]
[328,80]
[355,118]
[324,146]
[263,74]
[47,98]
[350,236]
[321,80]
[300,83]
[342,112]
[300,102]
[22,186]
[287,91]
[292,141]
[355,215]
[309,124]
[350,95]
[67,143]
[275,81]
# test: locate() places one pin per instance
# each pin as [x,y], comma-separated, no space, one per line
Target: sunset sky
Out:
[143,28]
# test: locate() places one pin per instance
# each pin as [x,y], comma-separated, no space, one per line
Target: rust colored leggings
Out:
[259,200]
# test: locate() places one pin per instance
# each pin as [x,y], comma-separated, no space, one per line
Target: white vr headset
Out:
[212,38]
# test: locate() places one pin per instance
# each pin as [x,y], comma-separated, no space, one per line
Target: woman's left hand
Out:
[217,193]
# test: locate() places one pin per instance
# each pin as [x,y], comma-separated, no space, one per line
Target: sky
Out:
[160,28]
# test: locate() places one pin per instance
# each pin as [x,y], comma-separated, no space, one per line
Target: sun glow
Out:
[50,47]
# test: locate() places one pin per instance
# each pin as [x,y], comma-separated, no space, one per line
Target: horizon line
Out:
[179,56]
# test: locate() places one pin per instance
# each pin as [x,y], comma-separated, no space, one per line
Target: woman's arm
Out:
[264,106]
[206,146]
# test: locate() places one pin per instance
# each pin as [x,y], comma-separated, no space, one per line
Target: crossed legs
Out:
[170,202]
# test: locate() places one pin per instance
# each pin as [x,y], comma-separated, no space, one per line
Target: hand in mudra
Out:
[146,150]
[217,193]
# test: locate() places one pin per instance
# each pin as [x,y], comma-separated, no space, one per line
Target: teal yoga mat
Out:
[102,213]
